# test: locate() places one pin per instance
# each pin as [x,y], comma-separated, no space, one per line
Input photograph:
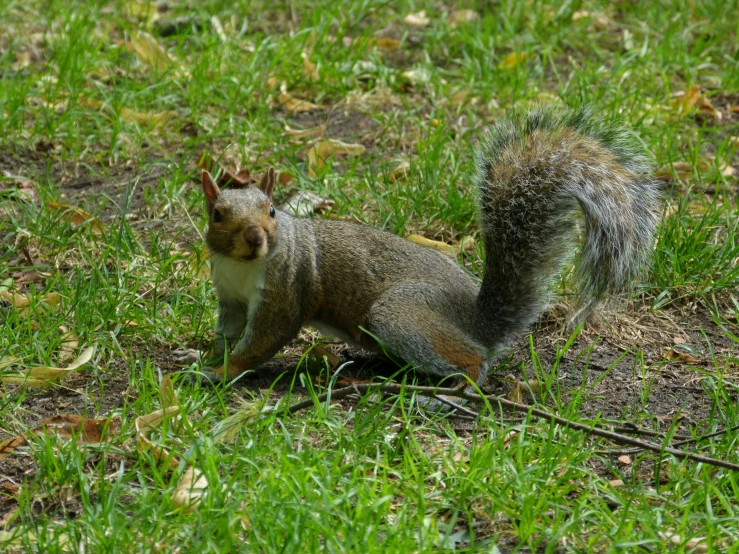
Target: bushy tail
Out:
[536,175]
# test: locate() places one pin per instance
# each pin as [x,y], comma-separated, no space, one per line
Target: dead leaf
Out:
[400,171]
[310,70]
[682,170]
[154,120]
[509,437]
[695,545]
[150,51]
[22,303]
[7,361]
[190,490]
[387,44]
[87,431]
[304,203]
[418,20]
[324,149]
[465,244]
[68,346]
[77,216]
[615,483]
[148,423]
[460,96]
[512,60]
[675,355]
[224,176]
[314,132]
[145,11]
[321,352]
[734,141]
[292,104]
[166,391]
[45,376]
[215,22]
[692,99]
[624,460]
[458,17]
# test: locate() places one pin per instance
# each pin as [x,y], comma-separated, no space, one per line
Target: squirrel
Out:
[275,273]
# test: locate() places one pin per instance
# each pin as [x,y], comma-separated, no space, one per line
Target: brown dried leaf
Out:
[166,391]
[400,171]
[696,545]
[624,460]
[314,132]
[145,425]
[150,51]
[224,176]
[46,376]
[304,203]
[682,170]
[292,104]
[68,346]
[512,60]
[310,70]
[154,120]
[190,490]
[734,141]
[615,483]
[88,431]
[675,355]
[418,20]
[458,17]
[324,149]
[77,216]
[387,44]
[321,352]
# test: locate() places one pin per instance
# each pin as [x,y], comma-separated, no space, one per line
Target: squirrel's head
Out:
[242,222]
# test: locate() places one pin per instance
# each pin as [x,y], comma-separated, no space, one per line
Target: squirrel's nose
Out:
[253,236]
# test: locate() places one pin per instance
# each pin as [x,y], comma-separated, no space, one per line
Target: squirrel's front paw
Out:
[186,356]
[209,375]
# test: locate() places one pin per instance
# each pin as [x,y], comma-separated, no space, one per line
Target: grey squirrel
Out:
[275,273]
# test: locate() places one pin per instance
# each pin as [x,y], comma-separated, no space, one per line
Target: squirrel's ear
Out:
[268,182]
[210,188]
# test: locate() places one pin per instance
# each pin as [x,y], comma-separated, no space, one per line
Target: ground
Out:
[107,109]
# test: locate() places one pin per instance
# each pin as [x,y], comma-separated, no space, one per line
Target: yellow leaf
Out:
[442,247]
[292,104]
[306,133]
[512,60]
[458,17]
[7,361]
[321,352]
[467,243]
[150,51]
[388,44]
[141,10]
[190,490]
[45,376]
[77,216]
[310,69]
[318,154]
[144,118]
[418,20]
[68,346]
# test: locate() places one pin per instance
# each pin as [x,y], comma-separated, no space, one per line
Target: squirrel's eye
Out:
[217,216]
[271,211]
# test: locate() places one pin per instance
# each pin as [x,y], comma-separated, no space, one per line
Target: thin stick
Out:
[515,406]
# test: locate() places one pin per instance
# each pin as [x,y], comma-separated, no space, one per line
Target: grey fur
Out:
[535,175]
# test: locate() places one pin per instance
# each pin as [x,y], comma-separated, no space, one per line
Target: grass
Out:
[81,124]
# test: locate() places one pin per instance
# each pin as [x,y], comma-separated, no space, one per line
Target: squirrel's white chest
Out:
[238,281]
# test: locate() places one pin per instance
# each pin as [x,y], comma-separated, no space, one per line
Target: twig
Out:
[515,406]
[678,443]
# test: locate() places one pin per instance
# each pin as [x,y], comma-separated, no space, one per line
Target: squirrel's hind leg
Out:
[416,333]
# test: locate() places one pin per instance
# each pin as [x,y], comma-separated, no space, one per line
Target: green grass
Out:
[381,476]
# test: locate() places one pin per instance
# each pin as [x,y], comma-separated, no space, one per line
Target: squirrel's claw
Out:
[186,356]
